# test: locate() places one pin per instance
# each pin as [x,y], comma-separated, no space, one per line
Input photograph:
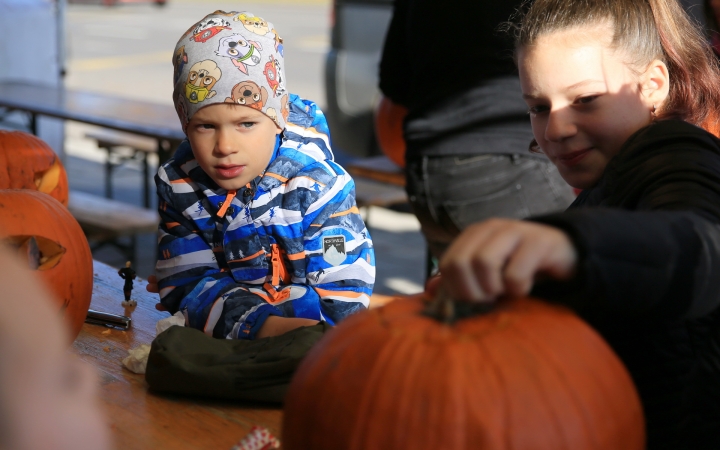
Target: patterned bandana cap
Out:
[233,57]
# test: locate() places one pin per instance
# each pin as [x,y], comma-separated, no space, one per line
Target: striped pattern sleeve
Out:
[339,253]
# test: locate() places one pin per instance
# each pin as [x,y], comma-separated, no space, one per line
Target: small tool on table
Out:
[108,320]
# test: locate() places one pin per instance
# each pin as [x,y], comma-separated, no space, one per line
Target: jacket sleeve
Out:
[639,263]
[191,280]
[339,256]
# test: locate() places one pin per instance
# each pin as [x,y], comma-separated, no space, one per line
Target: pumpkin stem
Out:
[446,309]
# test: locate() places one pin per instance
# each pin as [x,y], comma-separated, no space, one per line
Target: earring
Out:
[652,112]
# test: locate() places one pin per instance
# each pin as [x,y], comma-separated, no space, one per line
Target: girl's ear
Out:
[655,84]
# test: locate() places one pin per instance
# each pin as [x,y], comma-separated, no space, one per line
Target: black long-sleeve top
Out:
[648,236]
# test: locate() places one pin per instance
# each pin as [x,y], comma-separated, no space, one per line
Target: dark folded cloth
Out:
[187,361]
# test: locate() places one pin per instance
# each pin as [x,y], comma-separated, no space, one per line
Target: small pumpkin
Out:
[389,117]
[27,162]
[52,242]
[524,375]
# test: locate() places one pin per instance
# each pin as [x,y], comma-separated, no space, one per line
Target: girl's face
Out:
[584,100]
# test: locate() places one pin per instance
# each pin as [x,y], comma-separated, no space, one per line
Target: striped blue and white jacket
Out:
[292,243]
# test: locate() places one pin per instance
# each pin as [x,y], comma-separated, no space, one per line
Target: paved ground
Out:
[125,50]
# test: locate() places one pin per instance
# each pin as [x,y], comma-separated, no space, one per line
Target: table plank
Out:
[138,418]
[145,118]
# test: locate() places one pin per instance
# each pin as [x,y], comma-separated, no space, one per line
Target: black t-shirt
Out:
[453,68]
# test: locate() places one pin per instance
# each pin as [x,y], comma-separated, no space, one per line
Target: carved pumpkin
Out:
[389,118]
[525,375]
[27,162]
[52,242]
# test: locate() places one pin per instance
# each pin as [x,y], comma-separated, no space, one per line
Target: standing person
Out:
[259,232]
[467,128]
[624,98]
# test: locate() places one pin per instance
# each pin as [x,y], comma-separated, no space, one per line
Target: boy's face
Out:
[232,143]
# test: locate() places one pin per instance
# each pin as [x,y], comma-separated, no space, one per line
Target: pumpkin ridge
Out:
[612,370]
[549,359]
[407,384]
[481,345]
[362,430]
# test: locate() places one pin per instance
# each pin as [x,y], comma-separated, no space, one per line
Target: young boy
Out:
[259,230]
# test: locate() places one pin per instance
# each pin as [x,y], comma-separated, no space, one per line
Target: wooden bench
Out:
[107,222]
[121,147]
[381,182]
[378,182]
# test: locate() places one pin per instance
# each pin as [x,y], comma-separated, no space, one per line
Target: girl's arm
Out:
[656,251]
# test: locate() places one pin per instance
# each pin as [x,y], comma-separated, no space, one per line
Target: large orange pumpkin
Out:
[53,243]
[27,162]
[525,375]
[389,118]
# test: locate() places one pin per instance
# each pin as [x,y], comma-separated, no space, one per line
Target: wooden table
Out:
[138,418]
[134,116]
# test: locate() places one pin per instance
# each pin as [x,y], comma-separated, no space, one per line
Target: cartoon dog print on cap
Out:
[248,93]
[253,23]
[284,110]
[242,52]
[220,12]
[201,79]
[271,113]
[182,110]
[274,76]
[180,58]
[205,29]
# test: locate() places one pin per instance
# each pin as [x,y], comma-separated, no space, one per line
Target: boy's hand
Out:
[152,286]
[503,257]
[276,325]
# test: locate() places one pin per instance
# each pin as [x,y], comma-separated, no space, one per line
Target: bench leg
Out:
[430,264]
[146,181]
[108,173]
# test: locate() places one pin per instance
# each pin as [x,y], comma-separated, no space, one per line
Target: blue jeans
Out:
[448,193]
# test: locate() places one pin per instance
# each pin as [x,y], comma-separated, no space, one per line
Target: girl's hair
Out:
[645,30]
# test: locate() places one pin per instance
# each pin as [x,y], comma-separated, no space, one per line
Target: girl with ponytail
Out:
[624,97]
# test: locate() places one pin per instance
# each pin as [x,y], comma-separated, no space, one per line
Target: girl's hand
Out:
[504,257]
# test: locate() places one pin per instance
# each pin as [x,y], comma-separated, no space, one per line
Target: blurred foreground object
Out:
[389,118]
[53,244]
[523,374]
[27,162]
[48,396]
